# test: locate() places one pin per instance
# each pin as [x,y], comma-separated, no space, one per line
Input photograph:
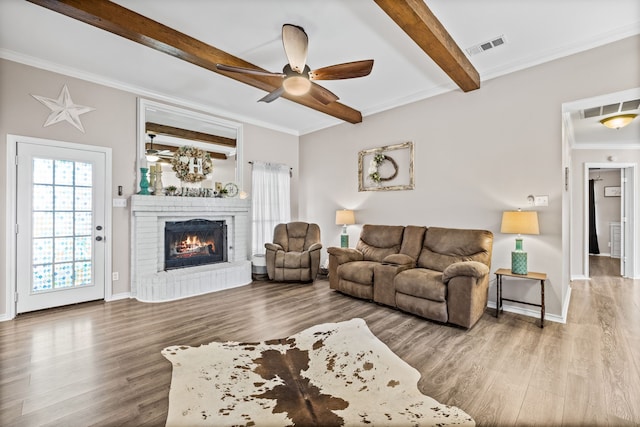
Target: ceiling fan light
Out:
[296,85]
[151,155]
[619,121]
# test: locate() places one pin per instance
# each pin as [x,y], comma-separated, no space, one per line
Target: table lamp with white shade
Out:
[345,217]
[519,222]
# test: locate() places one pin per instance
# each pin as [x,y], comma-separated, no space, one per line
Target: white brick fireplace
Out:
[150,282]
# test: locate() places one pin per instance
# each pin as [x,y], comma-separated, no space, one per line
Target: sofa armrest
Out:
[399,259]
[343,255]
[273,247]
[338,256]
[315,247]
[465,268]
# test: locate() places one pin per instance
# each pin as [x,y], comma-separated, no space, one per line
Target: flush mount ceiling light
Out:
[619,121]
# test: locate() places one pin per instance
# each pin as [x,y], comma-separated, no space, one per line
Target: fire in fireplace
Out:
[194,242]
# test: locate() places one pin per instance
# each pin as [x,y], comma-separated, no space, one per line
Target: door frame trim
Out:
[629,231]
[11,219]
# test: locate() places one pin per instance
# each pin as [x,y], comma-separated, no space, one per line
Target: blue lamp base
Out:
[519,262]
[344,240]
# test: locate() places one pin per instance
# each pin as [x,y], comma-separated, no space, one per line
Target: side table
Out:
[531,276]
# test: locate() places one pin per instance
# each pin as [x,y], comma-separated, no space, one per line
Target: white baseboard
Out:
[580,277]
[529,312]
[116,297]
[565,306]
[5,317]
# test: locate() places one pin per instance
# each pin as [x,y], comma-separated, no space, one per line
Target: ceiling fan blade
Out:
[272,96]
[296,43]
[243,70]
[348,70]
[323,95]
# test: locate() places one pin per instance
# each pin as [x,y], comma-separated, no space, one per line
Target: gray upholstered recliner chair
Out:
[294,255]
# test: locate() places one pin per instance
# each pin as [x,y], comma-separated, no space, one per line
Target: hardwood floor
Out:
[100,363]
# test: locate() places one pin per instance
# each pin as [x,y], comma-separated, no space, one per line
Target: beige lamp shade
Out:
[345,217]
[520,222]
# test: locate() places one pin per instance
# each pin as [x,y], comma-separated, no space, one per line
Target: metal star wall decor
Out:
[63,109]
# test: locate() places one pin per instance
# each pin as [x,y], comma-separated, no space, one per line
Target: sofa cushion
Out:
[357,271]
[434,310]
[296,236]
[421,283]
[379,241]
[444,246]
[412,239]
[292,259]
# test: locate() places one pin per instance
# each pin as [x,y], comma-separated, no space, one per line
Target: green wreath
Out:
[376,162]
[183,159]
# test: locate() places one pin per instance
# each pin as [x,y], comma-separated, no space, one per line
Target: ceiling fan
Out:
[153,155]
[297,76]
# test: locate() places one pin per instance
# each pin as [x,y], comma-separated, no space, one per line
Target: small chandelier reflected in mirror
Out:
[151,154]
[618,121]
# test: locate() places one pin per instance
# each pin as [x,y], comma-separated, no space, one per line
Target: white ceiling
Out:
[536,31]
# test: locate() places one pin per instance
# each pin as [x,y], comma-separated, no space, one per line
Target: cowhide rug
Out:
[335,374]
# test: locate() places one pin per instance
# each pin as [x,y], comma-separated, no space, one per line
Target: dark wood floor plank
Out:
[99,364]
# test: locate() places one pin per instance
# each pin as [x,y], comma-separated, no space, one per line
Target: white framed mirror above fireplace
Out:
[174,126]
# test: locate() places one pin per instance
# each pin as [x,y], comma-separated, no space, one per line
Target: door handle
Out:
[99,238]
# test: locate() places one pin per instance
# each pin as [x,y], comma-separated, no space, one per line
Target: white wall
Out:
[476,154]
[112,124]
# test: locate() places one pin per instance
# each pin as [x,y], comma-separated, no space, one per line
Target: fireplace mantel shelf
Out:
[169,203]
[149,214]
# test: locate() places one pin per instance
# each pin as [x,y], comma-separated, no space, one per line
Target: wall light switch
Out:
[541,201]
[119,203]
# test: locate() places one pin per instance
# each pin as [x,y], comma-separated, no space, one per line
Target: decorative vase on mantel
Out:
[158,182]
[144,182]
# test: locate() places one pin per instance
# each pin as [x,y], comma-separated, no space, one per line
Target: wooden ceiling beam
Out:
[417,20]
[191,135]
[126,23]
[172,149]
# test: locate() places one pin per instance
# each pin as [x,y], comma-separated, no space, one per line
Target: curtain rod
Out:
[251,163]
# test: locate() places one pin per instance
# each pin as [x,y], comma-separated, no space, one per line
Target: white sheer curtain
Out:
[271,201]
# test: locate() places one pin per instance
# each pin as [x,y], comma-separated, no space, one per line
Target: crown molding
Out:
[136,90]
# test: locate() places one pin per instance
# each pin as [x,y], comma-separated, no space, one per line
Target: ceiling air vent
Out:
[604,110]
[490,44]
[630,105]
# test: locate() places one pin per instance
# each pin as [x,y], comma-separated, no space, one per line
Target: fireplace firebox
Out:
[194,242]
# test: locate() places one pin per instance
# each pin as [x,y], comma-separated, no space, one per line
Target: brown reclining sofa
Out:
[441,274]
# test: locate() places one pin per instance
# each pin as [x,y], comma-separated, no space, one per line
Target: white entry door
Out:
[60,244]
